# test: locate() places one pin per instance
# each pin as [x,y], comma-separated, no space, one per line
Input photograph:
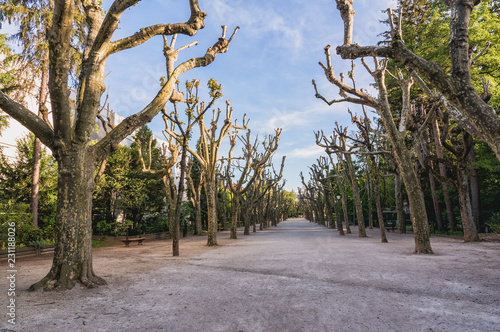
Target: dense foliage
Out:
[15,185]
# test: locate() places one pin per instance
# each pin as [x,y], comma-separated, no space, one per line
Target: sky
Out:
[266,73]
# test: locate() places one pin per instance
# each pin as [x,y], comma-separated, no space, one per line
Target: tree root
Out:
[66,280]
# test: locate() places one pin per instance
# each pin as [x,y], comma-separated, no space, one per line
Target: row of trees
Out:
[73,40]
[430,126]
[127,199]
[77,40]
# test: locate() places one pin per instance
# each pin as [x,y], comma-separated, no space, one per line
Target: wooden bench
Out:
[128,241]
[390,225]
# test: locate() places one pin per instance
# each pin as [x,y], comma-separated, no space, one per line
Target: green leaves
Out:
[215,89]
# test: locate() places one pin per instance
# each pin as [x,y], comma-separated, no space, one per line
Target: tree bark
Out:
[473,113]
[399,204]
[197,218]
[421,151]
[211,190]
[37,149]
[405,163]
[329,209]
[73,228]
[338,219]
[235,204]
[437,210]
[370,212]
[474,187]
[442,172]
[468,224]
[180,196]
[378,199]
[246,217]
[356,197]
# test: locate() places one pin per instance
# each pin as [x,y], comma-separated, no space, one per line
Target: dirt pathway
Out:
[294,277]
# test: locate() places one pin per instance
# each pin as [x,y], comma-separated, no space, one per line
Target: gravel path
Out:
[295,277]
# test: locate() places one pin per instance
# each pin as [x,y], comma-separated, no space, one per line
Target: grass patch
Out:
[449,233]
[99,244]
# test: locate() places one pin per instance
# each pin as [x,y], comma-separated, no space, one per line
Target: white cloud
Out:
[262,22]
[311,151]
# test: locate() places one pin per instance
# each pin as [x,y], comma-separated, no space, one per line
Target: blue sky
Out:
[266,73]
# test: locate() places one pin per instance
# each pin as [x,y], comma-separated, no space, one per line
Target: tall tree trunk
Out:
[254,221]
[329,209]
[470,230]
[432,182]
[234,215]
[345,213]
[246,218]
[336,208]
[474,187]
[224,209]
[442,172]
[405,163]
[197,218]
[211,190]
[73,231]
[180,196]
[37,149]
[356,197]
[399,203]
[378,199]
[370,198]
[437,210]
[417,207]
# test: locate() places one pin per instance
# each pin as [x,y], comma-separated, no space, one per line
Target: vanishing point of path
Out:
[295,277]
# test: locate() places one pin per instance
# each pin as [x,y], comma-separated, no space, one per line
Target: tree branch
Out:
[28,119]
[127,126]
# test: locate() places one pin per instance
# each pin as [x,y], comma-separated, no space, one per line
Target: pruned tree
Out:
[395,134]
[321,173]
[337,144]
[460,145]
[168,160]
[367,138]
[69,140]
[266,179]
[194,186]
[253,164]
[208,153]
[339,172]
[465,104]
[31,66]
[182,136]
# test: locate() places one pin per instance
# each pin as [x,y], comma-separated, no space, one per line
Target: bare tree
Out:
[208,155]
[367,137]
[339,171]
[266,180]
[195,197]
[254,162]
[466,106]
[396,136]
[321,173]
[337,143]
[460,145]
[70,140]
[168,161]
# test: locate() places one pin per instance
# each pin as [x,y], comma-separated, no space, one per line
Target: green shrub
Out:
[103,227]
[494,223]
[156,223]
